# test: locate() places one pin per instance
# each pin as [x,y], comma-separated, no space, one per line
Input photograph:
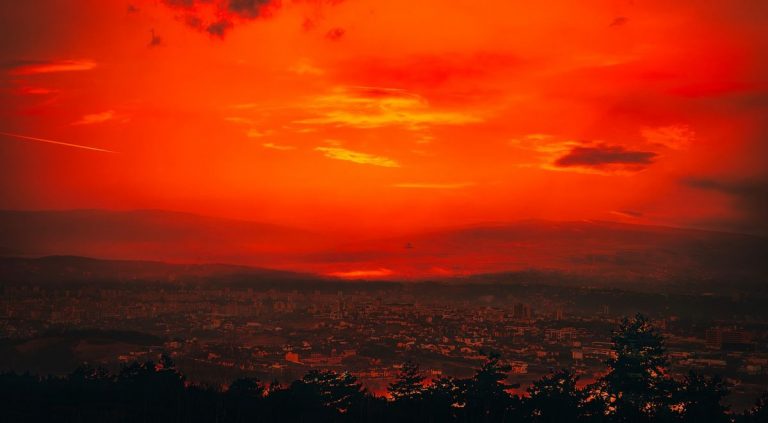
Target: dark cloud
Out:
[605,155]
[132,9]
[619,21]
[219,28]
[180,3]
[194,22]
[335,34]
[197,13]
[156,40]
[750,197]
[217,17]
[246,8]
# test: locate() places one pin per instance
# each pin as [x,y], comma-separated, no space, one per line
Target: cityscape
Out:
[218,329]
[363,211]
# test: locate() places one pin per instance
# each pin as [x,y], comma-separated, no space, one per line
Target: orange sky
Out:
[389,114]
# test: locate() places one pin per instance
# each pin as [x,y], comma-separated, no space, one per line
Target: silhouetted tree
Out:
[320,396]
[595,404]
[336,390]
[409,385]
[637,386]
[553,398]
[758,413]
[487,398]
[243,399]
[444,399]
[700,399]
[152,391]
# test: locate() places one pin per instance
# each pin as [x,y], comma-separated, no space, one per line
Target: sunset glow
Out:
[401,211]
[382,116]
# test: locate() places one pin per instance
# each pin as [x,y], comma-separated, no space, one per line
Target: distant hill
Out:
[64,269]
[606,250]
[150,235]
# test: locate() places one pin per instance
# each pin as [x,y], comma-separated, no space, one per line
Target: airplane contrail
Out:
[85,147]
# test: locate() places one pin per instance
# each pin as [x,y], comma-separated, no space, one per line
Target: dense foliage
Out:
[635,388]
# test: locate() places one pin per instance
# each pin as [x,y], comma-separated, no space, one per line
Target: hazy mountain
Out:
[604,249]
[64,269]
[594,248]
[150,235]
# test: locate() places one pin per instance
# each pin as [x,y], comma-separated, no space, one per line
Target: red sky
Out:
[389,114]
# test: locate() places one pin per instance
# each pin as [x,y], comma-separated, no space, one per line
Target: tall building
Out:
[521,311]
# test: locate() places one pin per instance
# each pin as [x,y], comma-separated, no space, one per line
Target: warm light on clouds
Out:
[676,137]
[449,113]
[255,133]
[94,118]
[305,67]
[339,153]
[34,68]
[423,185]
[279,147]
[375,107]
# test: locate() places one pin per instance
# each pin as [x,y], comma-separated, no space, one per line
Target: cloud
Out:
[335,34]
[425,139]
[244,106]
[619,21]
[37,91]
[676,137]
[94,118]
[219,28]
[279,147]
[603,155]
[239,120]
[545,144]
[305,67]
[632,214]
[217,17]
[339,153]
[750,198]
[376,107]
[34,67]
[156,40]
[255,133]
[438,186]
[593,157]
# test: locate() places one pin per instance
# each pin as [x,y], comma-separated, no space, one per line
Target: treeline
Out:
[636,388]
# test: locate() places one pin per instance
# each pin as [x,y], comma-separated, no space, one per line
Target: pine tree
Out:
[553,398]
[700,398]
[759,412]
[337,391]
[487,396]
[409,385]
[637,386]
